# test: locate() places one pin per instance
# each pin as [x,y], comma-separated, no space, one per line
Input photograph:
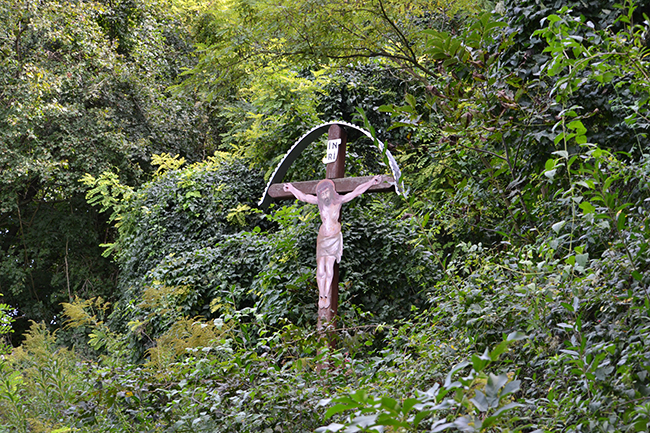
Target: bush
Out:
[191,244]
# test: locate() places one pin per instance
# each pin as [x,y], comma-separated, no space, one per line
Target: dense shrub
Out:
[192,244]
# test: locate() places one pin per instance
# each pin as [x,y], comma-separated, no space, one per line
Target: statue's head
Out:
[325,190]
[324,185]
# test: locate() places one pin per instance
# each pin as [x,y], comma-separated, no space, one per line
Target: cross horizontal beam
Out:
[343,186]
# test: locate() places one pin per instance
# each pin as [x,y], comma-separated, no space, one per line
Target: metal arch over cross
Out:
[326,194]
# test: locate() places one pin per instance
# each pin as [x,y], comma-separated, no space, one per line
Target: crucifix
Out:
[327,195]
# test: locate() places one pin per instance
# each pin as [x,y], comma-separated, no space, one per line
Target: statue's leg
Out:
[324,276]
[321,278]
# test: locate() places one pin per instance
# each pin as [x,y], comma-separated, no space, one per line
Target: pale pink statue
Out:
[329,244]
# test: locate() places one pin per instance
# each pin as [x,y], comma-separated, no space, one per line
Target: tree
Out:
[238,37]
[77,99]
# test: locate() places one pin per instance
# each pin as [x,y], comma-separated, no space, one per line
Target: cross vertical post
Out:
[333,170]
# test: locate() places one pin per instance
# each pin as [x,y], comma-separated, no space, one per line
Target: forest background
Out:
[144,291]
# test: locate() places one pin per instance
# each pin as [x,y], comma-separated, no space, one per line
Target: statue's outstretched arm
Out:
[376,180]
[308,198]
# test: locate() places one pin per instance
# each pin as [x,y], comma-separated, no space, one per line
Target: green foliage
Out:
[471,396]
[271,111]
[39,382]
[584,58]
[5,327]
[191,244]
[185,209]
[107,191]
[270,71]
[239,37]
[522,134]
[84,92]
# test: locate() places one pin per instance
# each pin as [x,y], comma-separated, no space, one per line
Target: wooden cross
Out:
[336,172]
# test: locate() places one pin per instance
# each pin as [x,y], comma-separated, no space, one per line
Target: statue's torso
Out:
[329,216]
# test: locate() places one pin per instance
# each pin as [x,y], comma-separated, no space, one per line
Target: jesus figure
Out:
[329,244]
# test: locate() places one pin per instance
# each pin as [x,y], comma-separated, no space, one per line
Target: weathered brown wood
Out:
[343,186]
[336,169]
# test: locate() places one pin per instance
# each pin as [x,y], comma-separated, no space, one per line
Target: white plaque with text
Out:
[332,151]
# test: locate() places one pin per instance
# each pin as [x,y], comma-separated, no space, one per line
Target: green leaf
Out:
[550,164]
[621,221]
[502,410]
[577,126]
[420,416]
[569,307]
[386,419]
[478,364]
[339,408]
[389,403]
[498,350]
[551,19]
[480,401]
[516,336]
[587,208]
[408,404]
[453,371]
[410,99]
[558,226]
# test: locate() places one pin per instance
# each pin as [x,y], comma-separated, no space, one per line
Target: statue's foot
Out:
[323,302]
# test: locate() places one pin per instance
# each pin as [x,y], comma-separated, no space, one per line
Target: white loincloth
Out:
[330,246]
